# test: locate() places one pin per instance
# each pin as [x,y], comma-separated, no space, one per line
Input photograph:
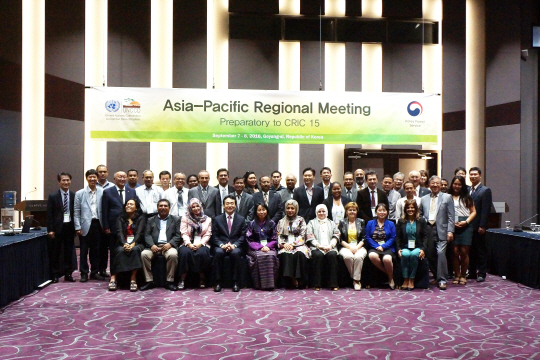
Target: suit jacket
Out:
[285,195]
[389,230]
[212,205]
[83,209]
[321,185]
[55,213]
[421,234]
[343,228]
[354,192]
[307,210]
[112,206]
[424,191]
[363,199]
[230,190]
[329,202]
[139,226]
[220,231]
[482,202]
[393,197]
[445,213]
[151,235]
[275,206]
[186,231]
[246,208]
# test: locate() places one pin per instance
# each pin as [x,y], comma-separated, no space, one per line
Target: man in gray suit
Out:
[287,193]
[349,189]
[208,195]
[438,210]
[162,235]
[87,220]
[244,201]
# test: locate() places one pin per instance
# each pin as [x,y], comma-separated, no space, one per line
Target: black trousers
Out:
[60,248]
[327,263]
[234,256]
[478,255]
[104,251]
[294,266]
[196,261]
[431,249]
[90,246]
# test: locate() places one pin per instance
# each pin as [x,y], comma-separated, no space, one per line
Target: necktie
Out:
[223,194]
[180,198]
[121,195]
[204,195]
[229,223]
[432,208]
[65,203]
[349,193]
[238,199]
[373,198]
[266,198]
[473,190]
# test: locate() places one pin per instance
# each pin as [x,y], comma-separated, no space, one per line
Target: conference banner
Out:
[253,116]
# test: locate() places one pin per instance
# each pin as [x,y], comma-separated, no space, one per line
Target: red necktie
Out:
[229,224]
[373,198]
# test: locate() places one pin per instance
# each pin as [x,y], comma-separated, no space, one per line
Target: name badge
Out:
[197,240]
[264,242]
[373,212]
[456,219]
[290,239]
[353,243]
[380,242]
[130,239]
[67,218]
[411,244]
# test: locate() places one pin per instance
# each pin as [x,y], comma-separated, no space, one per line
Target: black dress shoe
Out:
[96,276]
[104,274]
[170,286]
[69,278]
[84,277]
[149,285]
[235,288]
[55,279]
[217,288]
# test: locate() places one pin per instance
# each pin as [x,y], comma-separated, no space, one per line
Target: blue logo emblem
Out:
[112,105]
[415,108]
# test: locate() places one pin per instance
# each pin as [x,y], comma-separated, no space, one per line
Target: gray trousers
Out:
[436,254]
[171,256]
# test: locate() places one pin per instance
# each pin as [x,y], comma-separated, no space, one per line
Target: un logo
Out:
[415,108]
[112,105]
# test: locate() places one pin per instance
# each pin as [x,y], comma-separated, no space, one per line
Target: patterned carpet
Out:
[497,319]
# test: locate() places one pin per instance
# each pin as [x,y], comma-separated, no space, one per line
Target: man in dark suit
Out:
[368,198]
[244,201]
[271,198]
[61,229]
[112,205]
[419,191]
[223,187]
[162,235]
[482,203]
[208,195]
[326,183]
[288,192]
[308,196]
[228,239]
[349,189]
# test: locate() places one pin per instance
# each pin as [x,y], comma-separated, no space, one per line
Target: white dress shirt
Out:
[149,198]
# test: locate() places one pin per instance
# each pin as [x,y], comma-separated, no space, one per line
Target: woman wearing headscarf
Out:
[293,252]
[194,252]
[323,236]
[129,244]
[262,238]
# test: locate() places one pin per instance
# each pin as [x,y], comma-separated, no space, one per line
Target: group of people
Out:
[293,232]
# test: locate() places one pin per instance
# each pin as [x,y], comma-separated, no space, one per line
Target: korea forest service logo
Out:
[112,105]
[131,106]
[415,108]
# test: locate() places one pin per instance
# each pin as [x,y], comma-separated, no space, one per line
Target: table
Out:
[515,255]
[24,264]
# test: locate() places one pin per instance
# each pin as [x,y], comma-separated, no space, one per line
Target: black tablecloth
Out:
[24,264]
[515,255]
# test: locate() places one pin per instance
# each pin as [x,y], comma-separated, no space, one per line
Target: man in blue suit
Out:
[270,198]
[228,239]
[88,225]
[482,203]
[438,210]
[112,206]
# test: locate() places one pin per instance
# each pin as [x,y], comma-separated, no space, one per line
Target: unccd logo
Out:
[415,108]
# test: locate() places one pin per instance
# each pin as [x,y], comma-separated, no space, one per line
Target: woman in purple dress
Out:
[262,238]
